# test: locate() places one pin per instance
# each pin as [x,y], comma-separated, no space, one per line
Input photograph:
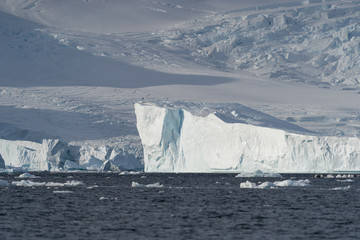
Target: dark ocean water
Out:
[188,206]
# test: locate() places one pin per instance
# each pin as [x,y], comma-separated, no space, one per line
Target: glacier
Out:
[176,140]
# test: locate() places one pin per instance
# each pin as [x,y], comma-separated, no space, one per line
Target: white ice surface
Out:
[258,173]
[151,185]
[29,183]
[175,140]
[27,175]
[341,188]
[271,185]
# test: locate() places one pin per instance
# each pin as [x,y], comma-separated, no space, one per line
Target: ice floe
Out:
[341,188]
[27,175]
[153,185]
[267,185]
[29,183]
[258,173]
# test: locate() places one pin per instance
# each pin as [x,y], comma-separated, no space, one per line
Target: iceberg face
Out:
[53,155]
[174,140]
[27,154]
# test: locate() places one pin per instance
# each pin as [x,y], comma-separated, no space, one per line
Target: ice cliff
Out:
[175,140]
[28,150]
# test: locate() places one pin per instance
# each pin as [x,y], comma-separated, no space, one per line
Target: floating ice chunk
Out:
[263,185]
[330,176]
[81,48]
[267,185]
[248,184]
[345,176]
[341,188]
[129,173]
[28,183]
[292,183]
[63,192]
[234,114]
[346,180]
[27,175]
[3,183]
[258,173]
[153,185]
[72,183]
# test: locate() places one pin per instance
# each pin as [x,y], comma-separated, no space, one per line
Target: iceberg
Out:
[33,155]
[176,140]
[55,155]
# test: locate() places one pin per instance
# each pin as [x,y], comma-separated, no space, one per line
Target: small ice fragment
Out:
[234,114]
[346,180]
[248,184]
[129,173]
[72,183]
[267,185]
[292,183]
[341,188]
[258,173]
[27,175]
[28,183]
[62,191]
[153,185]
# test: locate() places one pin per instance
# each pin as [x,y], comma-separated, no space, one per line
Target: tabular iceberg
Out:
[175,140]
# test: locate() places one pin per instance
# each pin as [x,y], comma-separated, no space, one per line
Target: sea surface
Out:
[177,206]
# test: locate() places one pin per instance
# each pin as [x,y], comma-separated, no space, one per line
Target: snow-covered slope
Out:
[175,140]
[315,43]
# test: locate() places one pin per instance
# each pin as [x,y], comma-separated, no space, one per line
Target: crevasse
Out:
[174,140]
